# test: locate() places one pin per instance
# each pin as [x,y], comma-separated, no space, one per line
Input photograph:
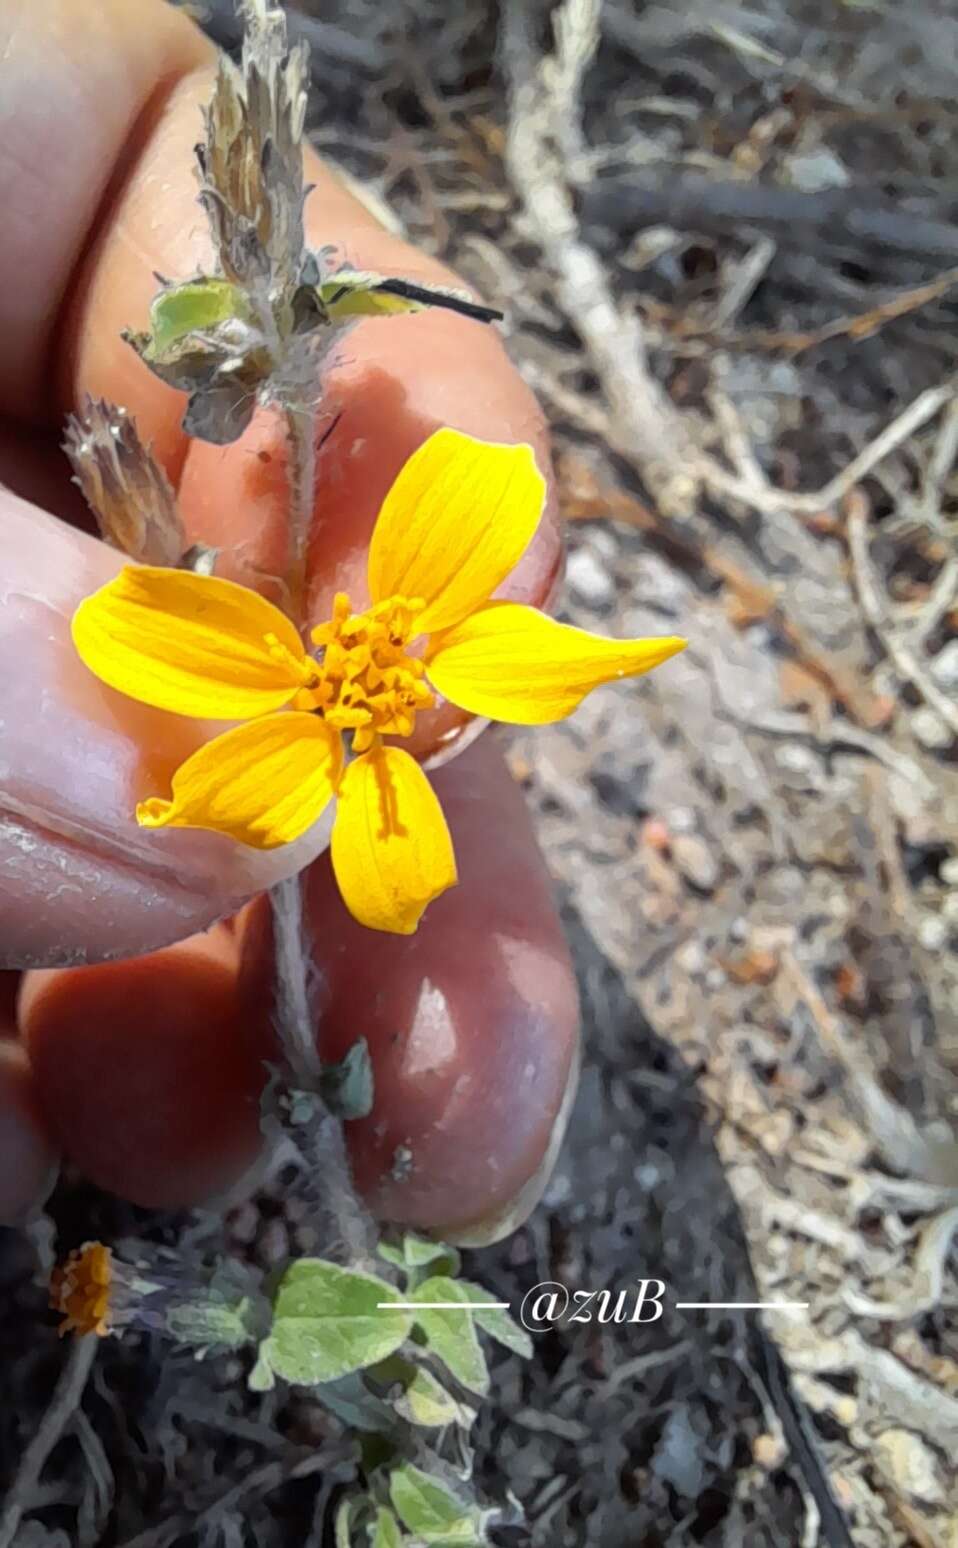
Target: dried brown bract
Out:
[251,164]
[125,487]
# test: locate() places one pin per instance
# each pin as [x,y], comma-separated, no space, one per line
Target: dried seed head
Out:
[80,1289]
[251,164]
[125,487]
[98,1291]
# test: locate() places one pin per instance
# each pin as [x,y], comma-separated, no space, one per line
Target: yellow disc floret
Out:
[368,682]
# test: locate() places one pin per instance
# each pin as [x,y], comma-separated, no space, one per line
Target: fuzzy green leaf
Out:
[423,1400]
[451,1334]
[196,307]
[344,1516]
[386,1533]
[432,1511]
[417,1252]
[353,293]
[497,1322]
[347,1085]
[327,1321]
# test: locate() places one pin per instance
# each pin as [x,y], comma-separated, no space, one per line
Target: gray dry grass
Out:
[724,237]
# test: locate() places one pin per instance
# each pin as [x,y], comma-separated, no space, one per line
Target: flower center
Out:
[366,682]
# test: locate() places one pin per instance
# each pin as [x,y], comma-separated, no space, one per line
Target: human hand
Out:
[147,1070]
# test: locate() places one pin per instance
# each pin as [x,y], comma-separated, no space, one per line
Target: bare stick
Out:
[64,1404]
[937,604]
[891,1126]
[644,423]
[263,1480]
[906,662]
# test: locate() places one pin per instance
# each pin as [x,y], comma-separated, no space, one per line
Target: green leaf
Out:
[351,293]
[355,293]
[386,1532]
[424,1400]
[451,1334]
[391,1254]
[347,1086]
[497,1322]
[261,1378]
[344,1516]
[328,1321]
[351,1400]
[196,307]
[418,1252]
[431,1510]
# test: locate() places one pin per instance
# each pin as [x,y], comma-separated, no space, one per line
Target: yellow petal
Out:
[189,643]
[516,664]
[391,849]
[264,783]
[454,524]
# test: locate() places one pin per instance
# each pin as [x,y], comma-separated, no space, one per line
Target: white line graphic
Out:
[442,1305]
[742,1305]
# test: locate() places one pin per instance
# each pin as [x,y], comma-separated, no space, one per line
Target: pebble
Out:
[944,668]
[817,169]
[695,860]
[930,730]
[910,1465]
[949,871]
[244,1222]
[273,1243]
[933,933]
[589,579]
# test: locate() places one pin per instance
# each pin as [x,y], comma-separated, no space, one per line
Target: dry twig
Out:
[643,423]
[62,1409]
[906,662]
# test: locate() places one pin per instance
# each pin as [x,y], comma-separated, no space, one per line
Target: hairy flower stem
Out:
[301,479]
[293,1013]
[320,1135]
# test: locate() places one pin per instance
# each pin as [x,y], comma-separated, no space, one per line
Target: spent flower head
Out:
[322,723]
[256,329]
[125,487]
[96,1290]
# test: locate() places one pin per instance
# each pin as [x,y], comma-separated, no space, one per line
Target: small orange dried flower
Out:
[80,1289]
[205,1306]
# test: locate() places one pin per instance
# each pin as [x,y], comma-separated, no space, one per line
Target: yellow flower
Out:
[452,528]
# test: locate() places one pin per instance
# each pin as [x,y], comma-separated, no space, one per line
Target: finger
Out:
[472,1027]
[142,1072]
[79,881]
[81,85]
[27,1157]
[472,1023]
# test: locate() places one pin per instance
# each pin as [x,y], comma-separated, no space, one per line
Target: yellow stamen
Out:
[367,682]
